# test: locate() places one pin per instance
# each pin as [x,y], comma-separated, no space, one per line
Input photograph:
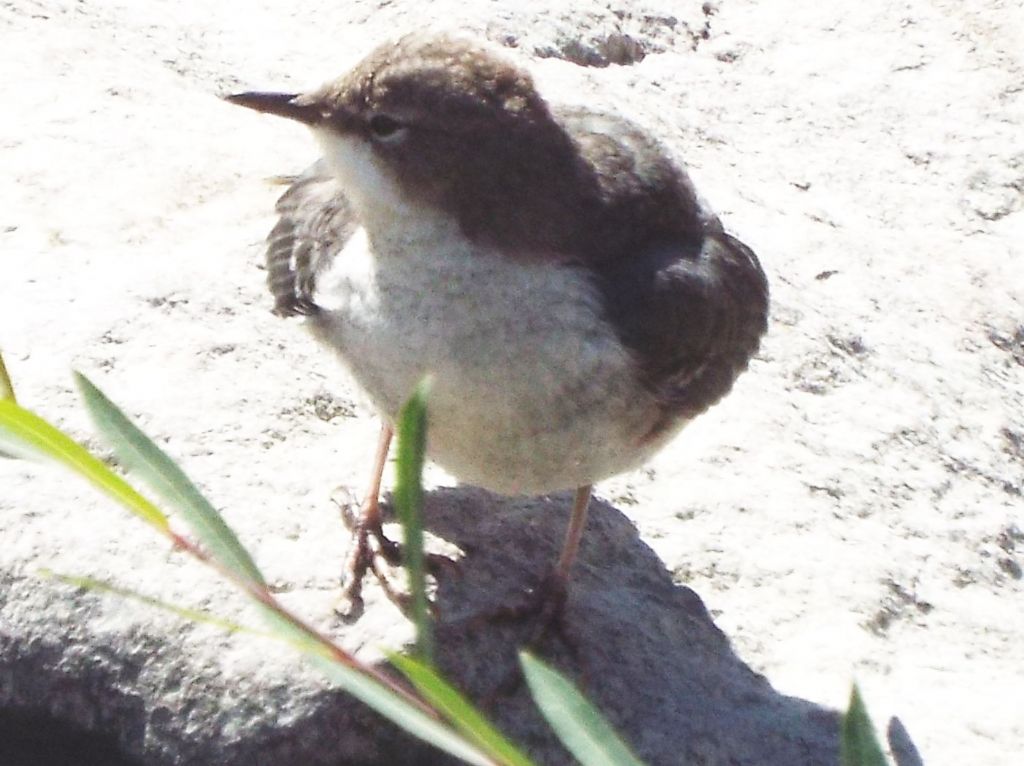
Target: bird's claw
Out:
[546,605]
[372,551]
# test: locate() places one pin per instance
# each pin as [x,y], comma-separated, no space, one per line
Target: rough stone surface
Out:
[853,509]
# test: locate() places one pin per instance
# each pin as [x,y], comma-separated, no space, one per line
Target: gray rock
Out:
[645,648]
[853,509]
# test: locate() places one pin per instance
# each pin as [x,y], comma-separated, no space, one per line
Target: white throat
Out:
[380,202]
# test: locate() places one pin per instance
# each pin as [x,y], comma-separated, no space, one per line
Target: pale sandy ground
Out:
[853,510]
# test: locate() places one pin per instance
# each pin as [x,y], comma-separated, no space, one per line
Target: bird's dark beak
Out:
[281,104]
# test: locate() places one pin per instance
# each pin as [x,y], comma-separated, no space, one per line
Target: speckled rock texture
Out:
[853,510]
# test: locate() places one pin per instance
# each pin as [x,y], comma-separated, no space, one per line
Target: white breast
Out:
[532,390]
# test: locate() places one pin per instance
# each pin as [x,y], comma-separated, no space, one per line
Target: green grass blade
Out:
[415,721]
[459,711]
[187,613]
[6,392]
[858,744]
[361,684]
[28,435]
[412,444]
[579,725]
[6,387]
[138,453]
[357,683]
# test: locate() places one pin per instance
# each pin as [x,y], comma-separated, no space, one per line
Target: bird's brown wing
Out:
[688,300]
[692,314]
[316,220]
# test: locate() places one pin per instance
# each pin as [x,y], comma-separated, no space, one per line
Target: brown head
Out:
[452,123]
[447,121]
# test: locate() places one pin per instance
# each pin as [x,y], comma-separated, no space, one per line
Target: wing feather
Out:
[688,300]
[692,314]
[316,220]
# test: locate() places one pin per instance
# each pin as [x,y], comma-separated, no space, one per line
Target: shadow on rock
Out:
[654,663]
[653,660]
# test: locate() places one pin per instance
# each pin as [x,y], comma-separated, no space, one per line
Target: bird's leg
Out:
[371,549]
[547,601]
[369,544]
[549,598]
[573,536]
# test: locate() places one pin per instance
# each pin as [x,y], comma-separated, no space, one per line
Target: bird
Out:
[551,267]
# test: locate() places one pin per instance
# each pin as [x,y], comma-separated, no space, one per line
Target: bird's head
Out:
[435,119]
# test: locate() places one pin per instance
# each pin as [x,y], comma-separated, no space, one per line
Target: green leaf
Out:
[352,679]
[459,711]
[187,613]
[415,721]
[858,744]
[28,435]
[579,725]
[6,387]
[138,453]
[412,445]
[6,392]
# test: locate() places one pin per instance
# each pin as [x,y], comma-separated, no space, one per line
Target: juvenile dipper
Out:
[550,267]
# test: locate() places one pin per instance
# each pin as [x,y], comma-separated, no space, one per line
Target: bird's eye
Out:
[384,128]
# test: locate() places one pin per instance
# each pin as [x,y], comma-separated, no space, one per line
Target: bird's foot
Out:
[372,551]
[544,605]
[544,609]
[369,551]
